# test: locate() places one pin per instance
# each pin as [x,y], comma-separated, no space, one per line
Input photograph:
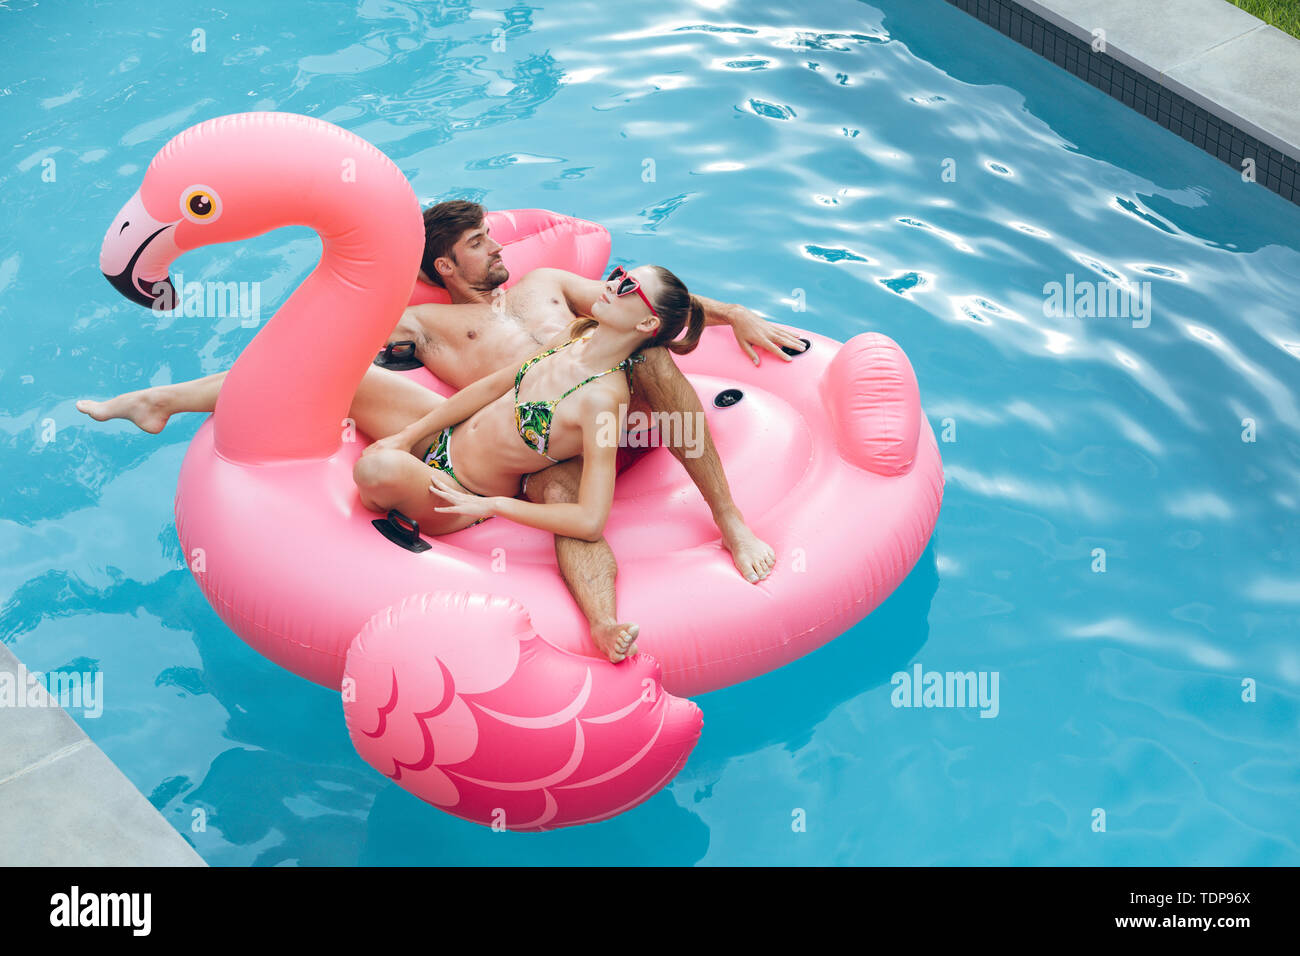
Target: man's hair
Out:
[444,224]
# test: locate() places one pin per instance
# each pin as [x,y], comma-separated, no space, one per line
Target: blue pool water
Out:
[795,147]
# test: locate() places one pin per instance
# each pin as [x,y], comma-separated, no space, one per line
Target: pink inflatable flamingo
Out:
[494,713]
[449,692]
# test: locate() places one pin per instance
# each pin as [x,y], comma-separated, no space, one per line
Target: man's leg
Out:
[149,408]
[588,567]
[663,386]
[384,403]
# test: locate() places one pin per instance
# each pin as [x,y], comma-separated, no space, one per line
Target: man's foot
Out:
[145,408]
[615,641]
[753,557]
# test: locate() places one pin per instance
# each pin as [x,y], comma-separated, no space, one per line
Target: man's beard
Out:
[495,276]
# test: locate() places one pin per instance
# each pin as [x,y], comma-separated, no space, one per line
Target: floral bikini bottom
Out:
[439,456]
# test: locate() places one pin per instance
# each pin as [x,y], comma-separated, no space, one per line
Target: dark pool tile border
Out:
[1274,169]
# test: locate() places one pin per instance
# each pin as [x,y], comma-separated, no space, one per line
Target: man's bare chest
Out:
[540,310]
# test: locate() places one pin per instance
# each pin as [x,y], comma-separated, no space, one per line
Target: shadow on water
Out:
[404,831]
[264,702]
[314,813]
[779,708]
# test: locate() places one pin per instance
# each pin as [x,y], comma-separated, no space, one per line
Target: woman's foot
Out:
[753,557]
[146,408]
[615,641]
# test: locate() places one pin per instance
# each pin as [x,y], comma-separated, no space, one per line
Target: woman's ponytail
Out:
[678,310]
[694,326]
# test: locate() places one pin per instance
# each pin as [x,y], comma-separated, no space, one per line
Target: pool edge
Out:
[63,802]
[1205,93]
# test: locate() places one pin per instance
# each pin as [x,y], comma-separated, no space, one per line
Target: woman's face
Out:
[628,312]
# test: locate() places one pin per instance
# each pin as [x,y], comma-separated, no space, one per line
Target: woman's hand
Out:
[461,502]
[753,331]
[401,441]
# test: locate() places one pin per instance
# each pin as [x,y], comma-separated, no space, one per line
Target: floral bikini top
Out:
[533,419]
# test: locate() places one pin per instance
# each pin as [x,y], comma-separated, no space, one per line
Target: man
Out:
[486,328]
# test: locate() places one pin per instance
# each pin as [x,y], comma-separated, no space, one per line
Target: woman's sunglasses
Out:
[628,286]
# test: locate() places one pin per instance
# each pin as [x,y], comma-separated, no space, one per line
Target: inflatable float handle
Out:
[875,404]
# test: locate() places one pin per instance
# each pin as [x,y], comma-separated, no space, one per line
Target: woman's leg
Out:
[392,479]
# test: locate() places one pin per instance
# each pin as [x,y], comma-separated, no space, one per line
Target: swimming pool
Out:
[893,167]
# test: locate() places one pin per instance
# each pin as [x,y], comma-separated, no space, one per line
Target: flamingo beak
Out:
[137,252]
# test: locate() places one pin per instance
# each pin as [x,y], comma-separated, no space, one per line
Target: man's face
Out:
[477,259]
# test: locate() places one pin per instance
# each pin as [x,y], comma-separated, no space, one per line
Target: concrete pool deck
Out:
[1205,69]
[1215,54]
[63,802]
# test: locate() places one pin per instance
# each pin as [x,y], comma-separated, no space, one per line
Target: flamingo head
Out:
[219,181]
[162,220]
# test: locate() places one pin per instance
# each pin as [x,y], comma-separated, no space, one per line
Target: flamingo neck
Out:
[288,394]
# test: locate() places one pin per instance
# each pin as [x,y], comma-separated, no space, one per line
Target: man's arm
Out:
[715,312]
[456,408]
[751,330]
[418,324]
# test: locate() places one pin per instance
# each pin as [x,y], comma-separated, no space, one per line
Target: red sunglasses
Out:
[629,285]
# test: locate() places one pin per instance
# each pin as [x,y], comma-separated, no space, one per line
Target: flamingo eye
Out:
[200,204]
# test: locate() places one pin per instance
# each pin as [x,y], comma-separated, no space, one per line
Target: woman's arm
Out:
[585,518]
[457,408]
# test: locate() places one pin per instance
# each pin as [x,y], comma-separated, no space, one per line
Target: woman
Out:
[564,402]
